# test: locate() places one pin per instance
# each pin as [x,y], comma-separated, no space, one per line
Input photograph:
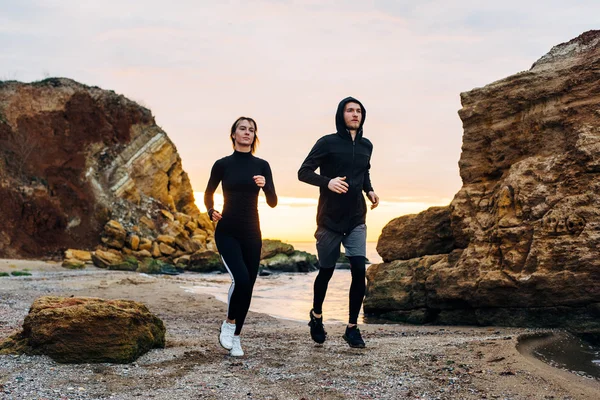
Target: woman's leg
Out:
[250,247]
[241,287]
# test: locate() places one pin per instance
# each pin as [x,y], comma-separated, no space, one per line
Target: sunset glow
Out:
[294,218]
[200,65]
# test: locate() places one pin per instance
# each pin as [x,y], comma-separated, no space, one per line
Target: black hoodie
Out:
[337,156]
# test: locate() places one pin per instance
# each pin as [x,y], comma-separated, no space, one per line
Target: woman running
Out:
[237,235]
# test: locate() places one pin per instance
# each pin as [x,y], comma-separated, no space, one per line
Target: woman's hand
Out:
[259,180]
[216,216]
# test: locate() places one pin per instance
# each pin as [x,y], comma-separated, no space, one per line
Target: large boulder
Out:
[526,222]
[114,235]
[113,260]
[298,261]
[413,236]
[76,259]
[205,261]
[272,247]
[106,259]
[81,255]
[87,330]
[73,157]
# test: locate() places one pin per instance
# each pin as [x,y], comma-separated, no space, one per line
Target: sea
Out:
[310,247]
[289,295]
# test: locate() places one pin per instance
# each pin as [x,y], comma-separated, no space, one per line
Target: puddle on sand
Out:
[566,351]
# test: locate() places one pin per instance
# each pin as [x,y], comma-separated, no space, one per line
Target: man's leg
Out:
[357,287]
[320,290]
[328,249]
[355,244]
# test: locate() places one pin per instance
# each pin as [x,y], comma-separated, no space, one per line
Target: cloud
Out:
[200,64]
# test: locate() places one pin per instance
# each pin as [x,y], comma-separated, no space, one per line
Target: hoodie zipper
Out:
[351,172]
[353,147]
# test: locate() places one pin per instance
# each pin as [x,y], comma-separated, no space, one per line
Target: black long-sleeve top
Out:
[240,192]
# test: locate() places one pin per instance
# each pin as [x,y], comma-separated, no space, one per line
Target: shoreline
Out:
[281,362]
[529,344]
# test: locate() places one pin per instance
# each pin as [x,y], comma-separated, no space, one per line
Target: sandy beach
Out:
[281,362]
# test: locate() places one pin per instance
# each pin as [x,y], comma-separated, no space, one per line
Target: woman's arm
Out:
[269,187]
[216,176]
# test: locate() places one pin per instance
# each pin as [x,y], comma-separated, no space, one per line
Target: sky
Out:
[198,65]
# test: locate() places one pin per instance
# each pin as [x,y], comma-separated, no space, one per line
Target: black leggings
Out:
[357,288]
[241,256]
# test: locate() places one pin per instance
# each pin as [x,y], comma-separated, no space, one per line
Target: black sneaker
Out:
[317,332]
[353,337]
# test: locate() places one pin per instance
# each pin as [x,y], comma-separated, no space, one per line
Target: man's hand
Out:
[216,216]
[259,180]
[337,185]
[374,199]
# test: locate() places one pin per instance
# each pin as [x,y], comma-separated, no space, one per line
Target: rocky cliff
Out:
[520,242]
[72,157]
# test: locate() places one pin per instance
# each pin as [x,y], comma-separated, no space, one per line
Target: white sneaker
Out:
[226,335]
[236,350]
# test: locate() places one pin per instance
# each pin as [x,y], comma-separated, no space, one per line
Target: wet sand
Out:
[281,362]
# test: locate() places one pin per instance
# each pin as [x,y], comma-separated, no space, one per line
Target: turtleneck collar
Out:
[242,153]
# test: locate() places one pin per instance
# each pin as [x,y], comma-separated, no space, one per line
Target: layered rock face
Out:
[520,242]
[71,158]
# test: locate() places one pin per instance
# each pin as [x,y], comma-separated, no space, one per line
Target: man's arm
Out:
[368,188]
[314,160]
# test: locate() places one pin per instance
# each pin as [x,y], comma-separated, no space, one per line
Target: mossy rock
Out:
[87,330]
[154,266]
[205,261]
[130,263]
[73,264]
[20,273]
[298,261]
[149,266]
[270,248]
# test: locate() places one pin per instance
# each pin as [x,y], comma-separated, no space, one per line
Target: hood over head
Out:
[340,125]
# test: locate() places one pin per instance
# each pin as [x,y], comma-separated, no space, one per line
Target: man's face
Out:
[352,115]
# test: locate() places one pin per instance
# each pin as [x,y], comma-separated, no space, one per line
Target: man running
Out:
[343,159]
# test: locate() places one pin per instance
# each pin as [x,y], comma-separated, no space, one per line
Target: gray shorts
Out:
[328,244]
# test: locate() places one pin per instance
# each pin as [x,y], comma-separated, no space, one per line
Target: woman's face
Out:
[244,133]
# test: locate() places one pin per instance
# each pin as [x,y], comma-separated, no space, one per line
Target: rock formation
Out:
[82,330]
[272,247]
[277,256]
[74,157]
[296,261]
[520,242]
